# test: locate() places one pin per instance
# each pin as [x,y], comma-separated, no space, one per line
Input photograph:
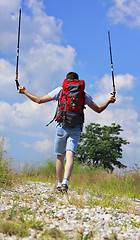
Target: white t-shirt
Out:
[55,95]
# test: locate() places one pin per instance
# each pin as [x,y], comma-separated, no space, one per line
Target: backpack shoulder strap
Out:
[54,118]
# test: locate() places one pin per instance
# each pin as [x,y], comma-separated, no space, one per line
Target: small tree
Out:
[101,146]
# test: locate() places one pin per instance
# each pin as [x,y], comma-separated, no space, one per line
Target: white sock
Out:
[65,181]
[59,184]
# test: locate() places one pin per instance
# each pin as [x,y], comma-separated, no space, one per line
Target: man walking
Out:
[68,134]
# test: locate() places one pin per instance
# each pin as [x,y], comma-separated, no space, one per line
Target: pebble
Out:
[56,211]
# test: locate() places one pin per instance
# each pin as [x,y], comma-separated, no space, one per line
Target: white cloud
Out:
[37,6]
[45,26]
[9,5]
[25,144]
[43,60]
[43,146]
[44,66]
[25,116]
[8,24]
[28,121]
[125,11]
[122,82]
[7,79]
[123,109]
[39,27]
[6,73]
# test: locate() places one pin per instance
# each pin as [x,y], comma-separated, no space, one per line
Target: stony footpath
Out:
[70,214]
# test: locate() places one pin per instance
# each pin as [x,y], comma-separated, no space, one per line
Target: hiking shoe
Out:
[59,189]
[64,188]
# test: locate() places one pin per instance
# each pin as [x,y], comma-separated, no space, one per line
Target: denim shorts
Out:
[66,138]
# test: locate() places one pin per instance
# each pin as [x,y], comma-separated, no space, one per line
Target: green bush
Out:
[38,172]
[5,171]
[49,169]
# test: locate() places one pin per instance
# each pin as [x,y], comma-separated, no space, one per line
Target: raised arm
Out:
[34,98]
[102,107]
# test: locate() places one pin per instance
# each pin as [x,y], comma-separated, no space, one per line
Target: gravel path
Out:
[71,214]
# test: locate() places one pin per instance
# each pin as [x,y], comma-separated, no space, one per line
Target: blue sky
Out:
[58,36]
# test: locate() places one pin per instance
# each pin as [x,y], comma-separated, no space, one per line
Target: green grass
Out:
[8,176]
[83,178]
[96,180]
[37,172]
[50,234]
[100,182]
[18,221]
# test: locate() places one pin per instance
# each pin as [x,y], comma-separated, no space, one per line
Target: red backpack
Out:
[71,103]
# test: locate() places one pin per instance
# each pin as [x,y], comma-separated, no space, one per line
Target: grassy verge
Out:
[8,176]
[98,181]
[83,177]
[36,172]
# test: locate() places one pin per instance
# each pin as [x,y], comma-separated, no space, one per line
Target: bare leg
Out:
[60,167]
[69,164]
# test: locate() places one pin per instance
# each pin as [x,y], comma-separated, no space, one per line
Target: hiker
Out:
[68,129]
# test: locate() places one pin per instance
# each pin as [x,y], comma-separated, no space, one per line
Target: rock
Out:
[55,212]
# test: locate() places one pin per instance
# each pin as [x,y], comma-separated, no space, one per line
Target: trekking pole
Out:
[17,82]
[114,92]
